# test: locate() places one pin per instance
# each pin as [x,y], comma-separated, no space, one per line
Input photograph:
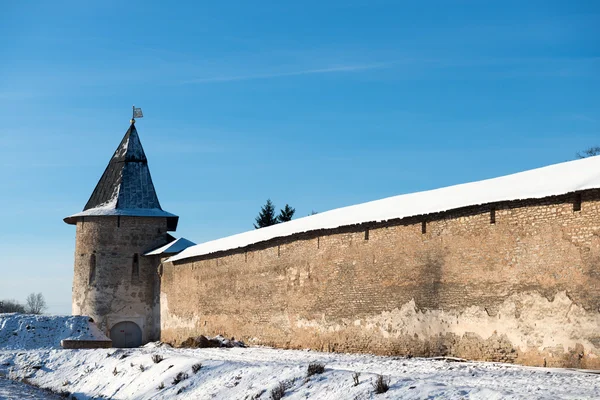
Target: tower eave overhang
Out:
[172,219]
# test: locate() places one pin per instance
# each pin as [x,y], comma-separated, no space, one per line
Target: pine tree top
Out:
[266,217]
[286,214]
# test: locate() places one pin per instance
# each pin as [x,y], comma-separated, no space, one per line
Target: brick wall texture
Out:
[525,289]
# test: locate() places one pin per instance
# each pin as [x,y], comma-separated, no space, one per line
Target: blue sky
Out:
[319,104]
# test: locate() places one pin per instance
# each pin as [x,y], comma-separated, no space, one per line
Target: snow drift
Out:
[25,332]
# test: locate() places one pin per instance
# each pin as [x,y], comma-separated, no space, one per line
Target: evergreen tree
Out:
[286,214]
[592,151]
[266,217]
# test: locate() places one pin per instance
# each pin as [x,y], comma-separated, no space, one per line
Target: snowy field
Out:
[16,390]
[254,373]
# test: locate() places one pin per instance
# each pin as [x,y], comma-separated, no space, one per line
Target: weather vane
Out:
[137,113]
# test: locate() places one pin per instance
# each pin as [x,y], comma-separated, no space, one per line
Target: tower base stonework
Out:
[118,290]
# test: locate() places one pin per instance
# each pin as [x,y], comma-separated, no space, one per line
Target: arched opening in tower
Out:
[126,334]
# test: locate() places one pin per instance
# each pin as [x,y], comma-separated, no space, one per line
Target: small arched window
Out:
[92,269]
[135,268]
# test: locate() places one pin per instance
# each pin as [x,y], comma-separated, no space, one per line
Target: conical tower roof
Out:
[125,187]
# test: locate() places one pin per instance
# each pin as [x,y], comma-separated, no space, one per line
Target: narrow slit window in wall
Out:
[135,268]
[577,202]
[367,234]
[493,216]
[92,269]
[118,221]
[424,227]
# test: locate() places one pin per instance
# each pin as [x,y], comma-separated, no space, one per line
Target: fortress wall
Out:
[525,289]
[116,295]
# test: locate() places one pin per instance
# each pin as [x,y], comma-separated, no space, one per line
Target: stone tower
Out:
[114,283]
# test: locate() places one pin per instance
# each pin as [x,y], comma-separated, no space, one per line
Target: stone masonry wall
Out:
[525,289]
[115,294]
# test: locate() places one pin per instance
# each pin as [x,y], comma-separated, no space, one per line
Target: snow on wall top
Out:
[536,183]
[26,331]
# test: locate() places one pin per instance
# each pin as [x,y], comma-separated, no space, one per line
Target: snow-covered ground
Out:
[17,390]
[25,331]
[253,373]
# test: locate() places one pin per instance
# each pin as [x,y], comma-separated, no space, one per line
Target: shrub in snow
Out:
[279,391]
[26,381]
[355,376]
[181,389]
[157,358]
[381,385]
[142,368]
[182,376]
[315,368]
[115,372]
[161,386]
[205,342]
[196,368]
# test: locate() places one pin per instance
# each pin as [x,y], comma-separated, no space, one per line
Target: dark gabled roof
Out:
[125,187]
[174,247]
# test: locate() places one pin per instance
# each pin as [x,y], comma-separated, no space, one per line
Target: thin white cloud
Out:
[559,67]
[328,70]
[580,117]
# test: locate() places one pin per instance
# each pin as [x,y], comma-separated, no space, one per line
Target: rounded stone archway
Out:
[126,334]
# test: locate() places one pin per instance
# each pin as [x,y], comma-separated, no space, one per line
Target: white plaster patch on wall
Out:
[324,326]
[528,320]
[169,320]
[312,324]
